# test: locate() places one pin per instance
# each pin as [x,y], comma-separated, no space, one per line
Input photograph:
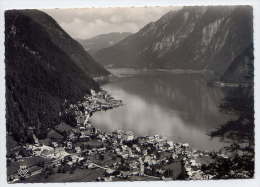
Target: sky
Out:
[86,23]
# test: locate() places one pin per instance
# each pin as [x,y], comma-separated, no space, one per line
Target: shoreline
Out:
[130,72]
[121,155]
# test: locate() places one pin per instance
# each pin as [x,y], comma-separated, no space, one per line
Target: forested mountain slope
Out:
[44,66]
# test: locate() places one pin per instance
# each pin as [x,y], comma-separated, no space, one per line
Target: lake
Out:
[179,106]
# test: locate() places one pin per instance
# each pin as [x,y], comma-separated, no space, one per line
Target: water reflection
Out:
[181,107]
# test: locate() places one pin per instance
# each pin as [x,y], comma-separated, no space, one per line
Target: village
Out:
[109,156]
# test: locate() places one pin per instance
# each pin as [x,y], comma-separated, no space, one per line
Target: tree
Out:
[41,164]
[72,169]
[168,173]
[101,157]
[114,158]
[183,175]
[239,130]
[238,101]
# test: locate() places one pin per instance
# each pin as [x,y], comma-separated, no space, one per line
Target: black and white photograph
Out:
[107,94]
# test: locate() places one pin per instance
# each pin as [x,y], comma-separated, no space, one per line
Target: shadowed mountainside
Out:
[44,66]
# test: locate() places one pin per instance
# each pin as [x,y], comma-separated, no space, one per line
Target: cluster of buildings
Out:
[85,146]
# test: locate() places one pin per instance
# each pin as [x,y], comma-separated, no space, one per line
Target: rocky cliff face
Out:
[96,43]
[192,38]
[44,66]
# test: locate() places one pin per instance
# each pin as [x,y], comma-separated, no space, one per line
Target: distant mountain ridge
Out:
[198,38]
[96,43]
[44,66]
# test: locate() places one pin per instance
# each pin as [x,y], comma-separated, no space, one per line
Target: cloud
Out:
[116,19]
[88,22]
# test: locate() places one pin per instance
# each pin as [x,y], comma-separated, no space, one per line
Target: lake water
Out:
[179,106]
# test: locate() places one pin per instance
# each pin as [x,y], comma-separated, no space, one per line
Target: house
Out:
[91,166]
[156,137]
[150,139]
[101,137]
[149,160]
[108,179]
[114,143]
[23,170]
[80,119]
[123,135]
[174,156]
[136,148]
[124,174]
[135,172]
[36,141]
[34,170]
[133,165]
[117,134]
[75,158]
[37,152]
[84,134]
[193,163]
[141,140]
[67,158]
[160,171]
[87,116]
[170,145]
[88,125]
[54,144]
[78,149]
[117,150]
[109,171]
[82,128]
[124,155]
[144,152]
[124,147]
[160,145]
[94,130]
[101,150]
[185,145]
[128,136]
[69,145]
[129,150]
[92,92]
[30,129]
[72,136]
[54,135]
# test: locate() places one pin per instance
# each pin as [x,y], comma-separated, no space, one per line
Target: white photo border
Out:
[31,4]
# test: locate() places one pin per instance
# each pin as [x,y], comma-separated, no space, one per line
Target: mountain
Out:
[44,66]
[198,38]
[242,68]
[96,43]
